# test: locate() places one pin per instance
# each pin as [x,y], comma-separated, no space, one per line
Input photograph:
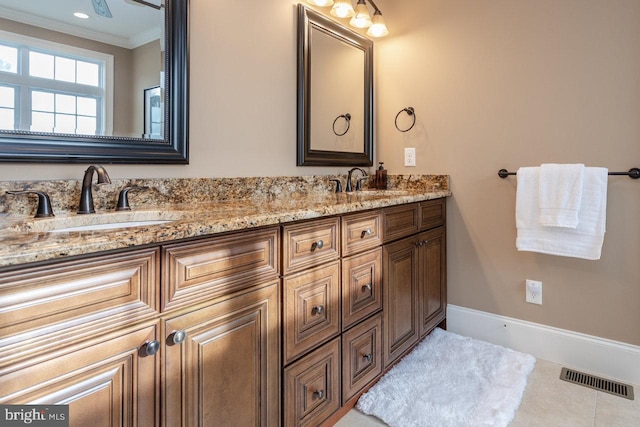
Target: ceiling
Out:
[132,24]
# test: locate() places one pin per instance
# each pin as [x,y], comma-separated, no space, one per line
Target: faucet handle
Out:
[359,182]
[338,185]
[123,198]
[44,202]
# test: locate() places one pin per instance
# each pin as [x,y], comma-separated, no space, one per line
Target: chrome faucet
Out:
[349,188]
[86,196]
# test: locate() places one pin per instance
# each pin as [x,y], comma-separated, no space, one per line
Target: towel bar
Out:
[633,173]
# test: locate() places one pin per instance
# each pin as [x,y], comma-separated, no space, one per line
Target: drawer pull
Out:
[318,309]
[368,357]
[317,245]
[177,337]
[367,287]
[319,394]
[423,243]
[364,233]
[150,348]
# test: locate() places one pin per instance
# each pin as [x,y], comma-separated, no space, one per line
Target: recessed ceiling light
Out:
[81,15]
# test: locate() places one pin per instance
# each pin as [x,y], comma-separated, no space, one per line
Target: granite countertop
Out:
[20,244]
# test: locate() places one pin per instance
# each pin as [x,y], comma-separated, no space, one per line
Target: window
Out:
[50,87]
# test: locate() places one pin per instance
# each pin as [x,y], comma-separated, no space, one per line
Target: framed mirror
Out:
[94,81]
[335,93]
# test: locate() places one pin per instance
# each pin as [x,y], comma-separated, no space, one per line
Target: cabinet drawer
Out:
[205,269]
[361,286]
[312,387]
[432,214]
[361,356]
[67,301]
[400,221]
[360,232]
[308,244]
[311,309]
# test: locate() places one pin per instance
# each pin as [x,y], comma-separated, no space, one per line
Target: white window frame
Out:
[54,48]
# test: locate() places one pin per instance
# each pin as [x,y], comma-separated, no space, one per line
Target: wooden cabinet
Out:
[277,325]
[312,387]
[221,362]
[361,356]
[108,382]
[311,306]
[414,282]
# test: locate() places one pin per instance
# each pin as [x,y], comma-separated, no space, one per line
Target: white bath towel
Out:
[585,241]
[560,194]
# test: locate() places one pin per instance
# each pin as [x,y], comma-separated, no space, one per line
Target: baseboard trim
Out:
[600,356]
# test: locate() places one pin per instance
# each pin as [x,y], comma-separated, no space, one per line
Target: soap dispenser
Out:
[381,177]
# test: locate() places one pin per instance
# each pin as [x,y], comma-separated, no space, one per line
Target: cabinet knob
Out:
[149,348]
[364,233]
[177,337]
[367,287]
[317,245]
[368,357]
[318,309]
[319,394]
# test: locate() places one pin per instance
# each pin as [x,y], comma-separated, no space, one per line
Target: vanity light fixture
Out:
[360,16]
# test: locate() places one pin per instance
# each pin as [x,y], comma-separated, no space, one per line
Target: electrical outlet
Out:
[533,292]
[409,156]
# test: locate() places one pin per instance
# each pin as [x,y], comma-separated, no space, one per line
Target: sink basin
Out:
[98,222]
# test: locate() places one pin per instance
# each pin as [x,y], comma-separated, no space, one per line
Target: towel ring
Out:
[347,118]
[412,113]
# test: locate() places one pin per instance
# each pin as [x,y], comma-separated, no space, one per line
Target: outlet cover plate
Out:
[533,292]
[410,156]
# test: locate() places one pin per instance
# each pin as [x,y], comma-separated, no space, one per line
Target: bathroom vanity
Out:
[239,313]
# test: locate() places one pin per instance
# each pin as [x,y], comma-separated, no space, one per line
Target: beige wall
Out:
[147,64]
[495,83]
[509,83]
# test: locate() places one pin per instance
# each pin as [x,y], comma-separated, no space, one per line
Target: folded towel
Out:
[560,194]
[585,241]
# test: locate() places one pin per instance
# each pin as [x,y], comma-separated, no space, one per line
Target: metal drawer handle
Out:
[177,337]
[149,348]
[317,245]
[318,309]
[319,393]
[364,233]
[368,357]
[423,243]
[367,287]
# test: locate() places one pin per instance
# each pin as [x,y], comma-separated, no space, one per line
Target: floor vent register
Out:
[597,383]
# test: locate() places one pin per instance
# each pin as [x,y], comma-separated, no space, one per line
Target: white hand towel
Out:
[560,194]
[585,241]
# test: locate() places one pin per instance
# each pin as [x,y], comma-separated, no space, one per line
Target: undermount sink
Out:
[97,222]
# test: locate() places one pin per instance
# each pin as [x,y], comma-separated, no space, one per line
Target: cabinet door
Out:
[108,383]
[221,363]
[400,289]
[432,268]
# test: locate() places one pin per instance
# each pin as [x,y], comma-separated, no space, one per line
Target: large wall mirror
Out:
[94,80]
[335,93]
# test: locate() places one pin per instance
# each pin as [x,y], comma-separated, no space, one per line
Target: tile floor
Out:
[551,402]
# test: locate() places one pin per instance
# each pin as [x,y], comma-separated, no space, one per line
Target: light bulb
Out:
[342,9]
[378,28]
[361,19]
[321,3]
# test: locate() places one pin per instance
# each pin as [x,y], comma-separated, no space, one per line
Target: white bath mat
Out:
[451,381]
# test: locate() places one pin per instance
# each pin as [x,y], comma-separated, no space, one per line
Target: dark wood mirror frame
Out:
[306,155]
[16,146]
